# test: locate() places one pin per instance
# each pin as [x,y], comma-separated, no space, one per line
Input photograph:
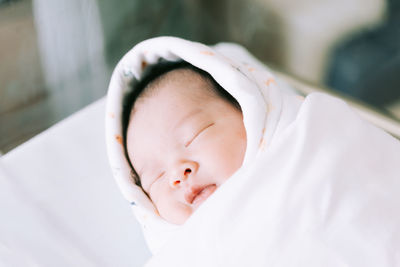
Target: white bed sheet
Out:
[59,203]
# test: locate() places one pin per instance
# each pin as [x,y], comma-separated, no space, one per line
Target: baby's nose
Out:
[184,172]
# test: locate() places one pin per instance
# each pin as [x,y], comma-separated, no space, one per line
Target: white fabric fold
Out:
[325,192]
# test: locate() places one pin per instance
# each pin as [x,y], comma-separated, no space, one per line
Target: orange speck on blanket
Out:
[269,81]
[144,64]
[208,53]
[119,139]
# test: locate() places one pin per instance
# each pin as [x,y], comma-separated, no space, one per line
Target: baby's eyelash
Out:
[159,176]
[156,179]
[197,134]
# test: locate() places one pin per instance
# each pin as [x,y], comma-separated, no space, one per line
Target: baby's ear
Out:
[135,177]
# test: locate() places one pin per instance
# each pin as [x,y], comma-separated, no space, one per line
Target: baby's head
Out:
[184,137]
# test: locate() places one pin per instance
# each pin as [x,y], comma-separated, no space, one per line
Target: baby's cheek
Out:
[225,158]
[169,204]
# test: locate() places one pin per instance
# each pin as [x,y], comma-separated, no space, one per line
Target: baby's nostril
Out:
[176,182]
[187,171]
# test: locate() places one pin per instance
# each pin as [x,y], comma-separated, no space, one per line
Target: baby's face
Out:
[184,142]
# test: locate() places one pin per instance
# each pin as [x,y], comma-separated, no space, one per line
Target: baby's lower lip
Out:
[204,194]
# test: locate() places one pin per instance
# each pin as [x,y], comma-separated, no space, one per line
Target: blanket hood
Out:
[239,73]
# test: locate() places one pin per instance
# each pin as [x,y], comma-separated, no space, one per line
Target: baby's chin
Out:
[181,215]
[178,218]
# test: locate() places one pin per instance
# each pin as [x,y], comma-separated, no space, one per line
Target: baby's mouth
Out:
[199,194]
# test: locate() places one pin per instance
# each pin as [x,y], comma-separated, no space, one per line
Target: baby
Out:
[306,181]
[184,137]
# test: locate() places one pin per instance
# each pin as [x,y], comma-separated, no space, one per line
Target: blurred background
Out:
[57,56]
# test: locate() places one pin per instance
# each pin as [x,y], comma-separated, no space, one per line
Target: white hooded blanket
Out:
[318,186]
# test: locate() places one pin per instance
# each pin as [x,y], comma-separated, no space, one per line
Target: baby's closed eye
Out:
[157,177]
[198,133]
[149,179]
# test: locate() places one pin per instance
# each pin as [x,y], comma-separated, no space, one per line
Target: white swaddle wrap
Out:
[318,186]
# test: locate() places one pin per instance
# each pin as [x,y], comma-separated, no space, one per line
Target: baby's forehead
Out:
[183,78]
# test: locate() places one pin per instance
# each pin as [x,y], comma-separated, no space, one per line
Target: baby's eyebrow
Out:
[187,117]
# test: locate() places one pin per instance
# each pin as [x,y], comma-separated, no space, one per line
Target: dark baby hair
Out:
[152,73]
